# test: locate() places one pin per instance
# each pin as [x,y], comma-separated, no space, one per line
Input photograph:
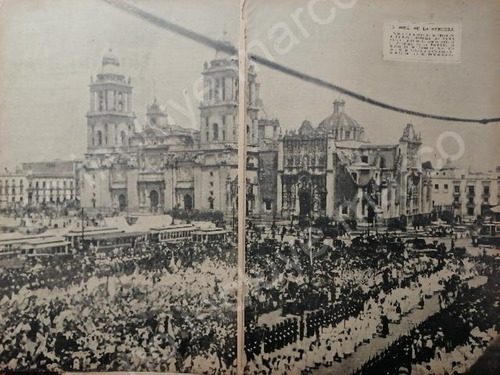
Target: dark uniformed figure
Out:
[301,328]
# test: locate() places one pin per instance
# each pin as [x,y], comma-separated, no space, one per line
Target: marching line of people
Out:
[330,336]
[449,342]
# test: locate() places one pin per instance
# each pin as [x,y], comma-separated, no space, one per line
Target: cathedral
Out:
[166,166]
[326,170]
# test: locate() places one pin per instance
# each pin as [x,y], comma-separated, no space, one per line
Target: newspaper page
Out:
[249,187]
[119,186]
[372,213]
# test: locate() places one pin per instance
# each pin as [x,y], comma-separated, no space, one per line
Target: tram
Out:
[172,233]
[109,241]
[489,234]
[209,235]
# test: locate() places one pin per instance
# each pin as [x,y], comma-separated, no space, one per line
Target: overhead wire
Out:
[230,49]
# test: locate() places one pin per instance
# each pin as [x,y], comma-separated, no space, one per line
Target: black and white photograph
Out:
[250,187]
[118,212]
[372,226]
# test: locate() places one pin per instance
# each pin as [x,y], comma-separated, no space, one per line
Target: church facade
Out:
[333,170]
[165,166]
[327,170]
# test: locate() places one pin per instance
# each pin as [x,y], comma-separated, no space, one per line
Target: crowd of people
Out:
[172,307]
[157,308]
[369,290]
[449,342]
[324,336]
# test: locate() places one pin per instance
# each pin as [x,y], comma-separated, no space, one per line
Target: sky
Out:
[50,48]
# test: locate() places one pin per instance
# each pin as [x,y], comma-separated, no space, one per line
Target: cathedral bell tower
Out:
[219,108]
[110,120]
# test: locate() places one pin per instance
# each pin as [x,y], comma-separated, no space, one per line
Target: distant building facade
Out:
[13,189]
[465,193]
[40,183]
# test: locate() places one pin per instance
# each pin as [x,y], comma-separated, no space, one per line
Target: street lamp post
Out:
[83,227]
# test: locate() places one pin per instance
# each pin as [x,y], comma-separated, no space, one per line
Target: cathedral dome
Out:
[338,119]
[306,128]
[157,108]
[157,115]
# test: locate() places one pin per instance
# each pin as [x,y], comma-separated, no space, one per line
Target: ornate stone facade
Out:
[332,170]
[166,166]
[328,170]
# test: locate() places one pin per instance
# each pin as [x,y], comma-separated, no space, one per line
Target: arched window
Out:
[99,138]
[101,101]
[364,159]
[122,137]
[122,202]
[216,131]
[223,127]
[382,162]
[188,202]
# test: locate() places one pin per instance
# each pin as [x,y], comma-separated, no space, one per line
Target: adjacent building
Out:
[40,183]
[13,189]
[464,192]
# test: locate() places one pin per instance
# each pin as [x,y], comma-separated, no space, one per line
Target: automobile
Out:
[333,231]
[417,243]
[395,246]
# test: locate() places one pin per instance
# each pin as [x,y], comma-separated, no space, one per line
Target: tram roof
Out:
[45,243]
[12,238]
[102,236]
[211,231]
[174,227]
